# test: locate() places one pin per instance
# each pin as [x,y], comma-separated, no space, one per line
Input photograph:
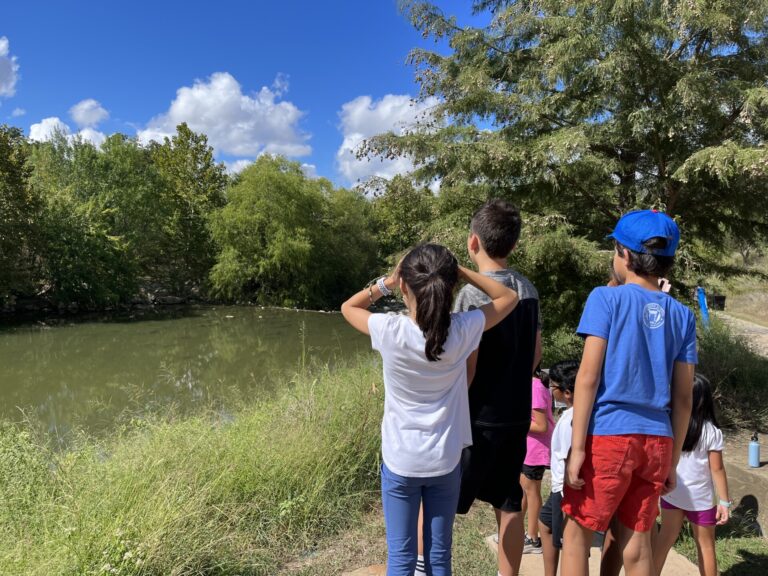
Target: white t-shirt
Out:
[561,445]
[426,406]
[694,490]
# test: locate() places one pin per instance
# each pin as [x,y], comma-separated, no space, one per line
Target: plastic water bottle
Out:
[754,452]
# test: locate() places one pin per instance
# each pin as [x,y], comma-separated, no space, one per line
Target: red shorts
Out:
[622,475]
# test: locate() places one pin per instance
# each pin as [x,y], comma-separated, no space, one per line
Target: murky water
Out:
[96,374]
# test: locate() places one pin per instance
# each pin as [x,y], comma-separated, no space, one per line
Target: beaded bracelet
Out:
[383,287]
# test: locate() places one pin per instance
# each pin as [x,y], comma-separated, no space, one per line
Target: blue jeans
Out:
[401,497]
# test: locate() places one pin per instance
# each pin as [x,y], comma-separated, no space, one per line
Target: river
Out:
[95,374]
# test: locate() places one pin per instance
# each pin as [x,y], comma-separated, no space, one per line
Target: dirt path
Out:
[532,565]
[756,334]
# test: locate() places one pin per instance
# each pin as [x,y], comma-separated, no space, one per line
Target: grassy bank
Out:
[284,481]
[197,496]
[739,375]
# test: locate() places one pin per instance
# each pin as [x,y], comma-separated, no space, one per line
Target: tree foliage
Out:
[123,216]
[19,207]
[194,185]
[287,239]
[591,109]
[402,213]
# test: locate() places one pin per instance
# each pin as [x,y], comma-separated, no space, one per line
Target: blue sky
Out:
[303,78]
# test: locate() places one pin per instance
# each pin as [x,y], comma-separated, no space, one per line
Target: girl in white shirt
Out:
[426,408]
[701,464]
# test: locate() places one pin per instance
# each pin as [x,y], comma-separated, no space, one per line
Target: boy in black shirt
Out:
[500,372]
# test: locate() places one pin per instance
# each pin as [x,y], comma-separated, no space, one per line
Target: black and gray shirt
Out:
[500,394]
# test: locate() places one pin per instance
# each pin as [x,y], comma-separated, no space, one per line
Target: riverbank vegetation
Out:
[273,490]
[198,496]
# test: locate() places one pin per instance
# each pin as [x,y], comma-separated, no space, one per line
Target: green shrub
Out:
[739,376]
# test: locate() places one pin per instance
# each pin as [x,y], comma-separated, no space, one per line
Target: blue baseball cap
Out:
[639,226]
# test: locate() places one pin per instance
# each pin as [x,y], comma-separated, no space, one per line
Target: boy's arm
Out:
[537,351]
[355,309]
[503,299]
[682,399]
[587,381]
[721,484]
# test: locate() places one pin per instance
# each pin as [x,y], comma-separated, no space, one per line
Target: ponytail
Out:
[431,273]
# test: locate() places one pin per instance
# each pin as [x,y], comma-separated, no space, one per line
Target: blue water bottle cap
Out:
[754,436]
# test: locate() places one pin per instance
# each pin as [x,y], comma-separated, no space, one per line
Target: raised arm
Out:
[355,309]
[503,299]
[587,381]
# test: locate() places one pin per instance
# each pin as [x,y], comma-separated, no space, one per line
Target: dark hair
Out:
[649,264]
[703,410]
[497,223]
[431,273]
[563,374]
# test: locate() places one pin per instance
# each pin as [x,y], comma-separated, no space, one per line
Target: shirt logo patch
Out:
[653,316]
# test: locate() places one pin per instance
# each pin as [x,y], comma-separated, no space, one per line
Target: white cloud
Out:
[237,166]
[88,113]
[17,112]
[93,136]
[362,118]
[310,170]
[9,69]
[236,124]
[44,130]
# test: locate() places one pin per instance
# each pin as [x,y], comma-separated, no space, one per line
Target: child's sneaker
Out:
[531,546]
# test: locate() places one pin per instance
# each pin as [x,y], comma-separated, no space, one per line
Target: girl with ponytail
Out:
[426,411]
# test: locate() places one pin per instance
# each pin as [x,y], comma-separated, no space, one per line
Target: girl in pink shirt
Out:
[536,460]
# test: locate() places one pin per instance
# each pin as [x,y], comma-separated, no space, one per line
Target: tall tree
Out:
[19,207]
[289,240]
[594,108]
[401,213]
[195,185]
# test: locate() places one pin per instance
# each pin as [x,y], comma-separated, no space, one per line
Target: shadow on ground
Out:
[743,522]
[751,565]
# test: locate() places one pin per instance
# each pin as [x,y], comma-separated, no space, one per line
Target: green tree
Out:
[19,208]
[290,240]
[80,259]
[402,212]
[132,200]
[344,248]
[264,233]
[194,188]
[594,108]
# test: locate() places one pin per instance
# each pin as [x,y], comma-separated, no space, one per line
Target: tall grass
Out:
[739,375]
[197,496]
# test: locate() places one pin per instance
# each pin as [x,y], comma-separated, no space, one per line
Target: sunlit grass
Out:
[197,496]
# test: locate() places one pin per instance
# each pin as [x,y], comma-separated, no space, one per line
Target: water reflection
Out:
[90,374]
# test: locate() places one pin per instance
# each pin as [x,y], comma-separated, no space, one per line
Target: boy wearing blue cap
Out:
[636,370]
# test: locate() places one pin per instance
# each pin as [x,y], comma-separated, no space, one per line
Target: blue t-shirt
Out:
[647,332]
